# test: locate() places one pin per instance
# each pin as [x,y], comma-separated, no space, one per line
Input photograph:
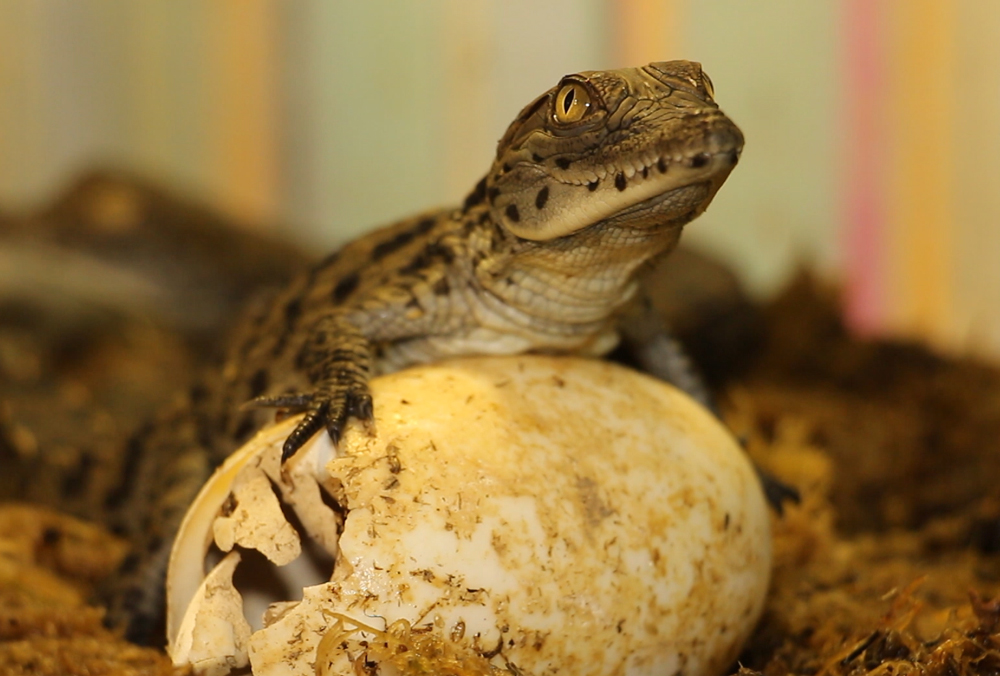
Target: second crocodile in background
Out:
[593,179]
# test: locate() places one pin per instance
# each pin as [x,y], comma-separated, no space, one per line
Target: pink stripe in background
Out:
[863,244]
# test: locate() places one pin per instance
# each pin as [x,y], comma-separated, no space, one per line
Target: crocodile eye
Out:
[706,82]
[572,103]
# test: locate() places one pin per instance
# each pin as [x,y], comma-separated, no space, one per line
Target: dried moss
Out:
[890,564]
[407,651]
[48,565]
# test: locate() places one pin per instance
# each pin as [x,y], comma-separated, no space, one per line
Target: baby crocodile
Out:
[593,179]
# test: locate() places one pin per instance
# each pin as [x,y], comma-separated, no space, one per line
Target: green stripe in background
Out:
[774,65]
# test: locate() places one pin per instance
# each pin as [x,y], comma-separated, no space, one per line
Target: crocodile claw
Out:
[777,492]
[322,410]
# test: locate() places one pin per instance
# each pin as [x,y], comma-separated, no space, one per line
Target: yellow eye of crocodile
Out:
[572,103]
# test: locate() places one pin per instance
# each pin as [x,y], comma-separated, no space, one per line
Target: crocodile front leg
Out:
[657,352]
[337,358]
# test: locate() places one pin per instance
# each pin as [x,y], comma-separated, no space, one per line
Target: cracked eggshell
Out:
[548,514]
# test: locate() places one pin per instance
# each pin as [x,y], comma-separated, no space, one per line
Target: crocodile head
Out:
[640,147]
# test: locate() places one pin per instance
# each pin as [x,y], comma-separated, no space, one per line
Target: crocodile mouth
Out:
[650,167]
[665,211]
[680,199]
[639,181]
[643,187]
[678,195]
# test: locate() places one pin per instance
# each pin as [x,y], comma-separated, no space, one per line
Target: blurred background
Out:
[873,128]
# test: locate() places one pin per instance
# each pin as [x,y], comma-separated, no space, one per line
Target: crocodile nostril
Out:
[734,157]
[700,160]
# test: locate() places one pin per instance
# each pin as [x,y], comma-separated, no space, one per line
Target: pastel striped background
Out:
[873,126]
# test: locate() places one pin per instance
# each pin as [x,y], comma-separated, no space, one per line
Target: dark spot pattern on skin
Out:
[700,160]
[154,543]
[541,198]
[496,239]
[345,287]
[328,260]
[506,167]
[563,163]
[475,197]
[535,157]
[439,251]
[592,186]
[512,213]
[293,309]
[300,361]
[432,252]
[311,274]
[427,224]
[258,383]
[129,564]
[492,194]
[441,287]
[134,451]
[620,181]
[661,164]
[645,172]
[383,249]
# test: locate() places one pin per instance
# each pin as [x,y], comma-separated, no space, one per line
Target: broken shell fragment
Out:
[522,514]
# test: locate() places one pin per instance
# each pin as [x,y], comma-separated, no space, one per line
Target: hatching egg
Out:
[525,515]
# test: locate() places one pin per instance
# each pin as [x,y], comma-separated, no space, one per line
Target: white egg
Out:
[522,515]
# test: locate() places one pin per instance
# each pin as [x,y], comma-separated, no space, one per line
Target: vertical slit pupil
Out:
[569,99]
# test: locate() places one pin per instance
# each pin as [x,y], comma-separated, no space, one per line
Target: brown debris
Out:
[48,565]
[890,565]
[409,652]
[81,656]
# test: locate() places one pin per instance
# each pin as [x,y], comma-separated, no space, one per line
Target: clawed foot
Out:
[777,492]
[322,409]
